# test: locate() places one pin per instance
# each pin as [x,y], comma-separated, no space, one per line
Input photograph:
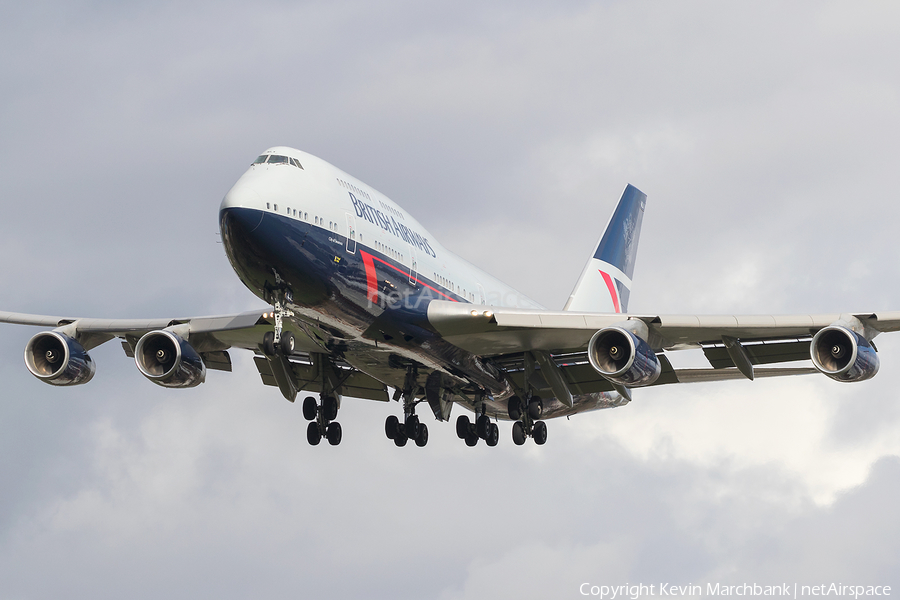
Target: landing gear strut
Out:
[411,428]
[482,428]
[526,415]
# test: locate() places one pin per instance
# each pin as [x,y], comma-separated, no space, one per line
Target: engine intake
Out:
[57,359]
[168,360]
[622,357]
[843,354]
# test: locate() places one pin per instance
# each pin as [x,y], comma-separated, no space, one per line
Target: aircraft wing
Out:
[504,333]
[211,337]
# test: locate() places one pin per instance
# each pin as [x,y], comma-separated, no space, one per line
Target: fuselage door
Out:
[351,233]
[413,266]
[481,298]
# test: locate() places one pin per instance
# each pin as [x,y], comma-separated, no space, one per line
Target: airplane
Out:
[362,299]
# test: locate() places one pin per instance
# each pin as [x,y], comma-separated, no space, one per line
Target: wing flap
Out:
[308,379]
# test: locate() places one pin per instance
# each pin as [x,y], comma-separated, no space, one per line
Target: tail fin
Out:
[605,283]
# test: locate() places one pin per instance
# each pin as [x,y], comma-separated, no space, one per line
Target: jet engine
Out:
[843,354]
[57,359]
[623,358]
[168,360]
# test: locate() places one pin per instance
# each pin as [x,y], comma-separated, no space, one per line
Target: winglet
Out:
[605,283]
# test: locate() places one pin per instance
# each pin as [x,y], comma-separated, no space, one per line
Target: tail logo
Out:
[612,291]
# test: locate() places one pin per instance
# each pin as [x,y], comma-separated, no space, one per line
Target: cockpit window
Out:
[276,159]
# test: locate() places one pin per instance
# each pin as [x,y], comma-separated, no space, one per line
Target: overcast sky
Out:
[764,133]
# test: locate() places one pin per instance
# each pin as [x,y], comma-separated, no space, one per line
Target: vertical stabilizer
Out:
[605,283]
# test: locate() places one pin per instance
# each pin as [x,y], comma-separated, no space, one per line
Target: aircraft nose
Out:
[241,195]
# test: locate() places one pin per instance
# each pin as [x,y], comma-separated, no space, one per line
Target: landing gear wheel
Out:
[518,433]
[330,407]
[269,343]
[493,435]
[287,343]
[309,408]
[401,439]
[540,433]
[462,426]
[422,436]
[412,426]
[535,407]
[333,433]
[391,427]
[483,426]
[514,408]
[471,439]
[312,434]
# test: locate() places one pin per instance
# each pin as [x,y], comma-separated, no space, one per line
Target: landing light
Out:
[474,313]
[488,314]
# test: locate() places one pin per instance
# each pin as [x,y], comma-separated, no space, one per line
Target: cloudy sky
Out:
[764,133]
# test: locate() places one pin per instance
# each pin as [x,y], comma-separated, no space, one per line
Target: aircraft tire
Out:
[514,408]
[518,433]
[330,406]
[412,426]
[462,426]
[334,433]
[422,436]
[540,433]
[309,408]
[535,407]
[471,439]
[493,435]
[483,426]
[400,439]
[287,343]
[312,434]
[391,427]
[268,343]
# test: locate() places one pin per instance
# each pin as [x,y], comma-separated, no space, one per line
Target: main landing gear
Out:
[411,428]
[482,428]
[322,420]
[526,415]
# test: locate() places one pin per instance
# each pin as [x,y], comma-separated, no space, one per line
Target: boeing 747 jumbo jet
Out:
[361,299]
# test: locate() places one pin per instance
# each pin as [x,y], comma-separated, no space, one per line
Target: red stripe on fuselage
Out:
[612,290]
[372,278]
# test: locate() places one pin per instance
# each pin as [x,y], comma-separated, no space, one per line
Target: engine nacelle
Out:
[622,357]
[167,360]
[843,354]
[57,359]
